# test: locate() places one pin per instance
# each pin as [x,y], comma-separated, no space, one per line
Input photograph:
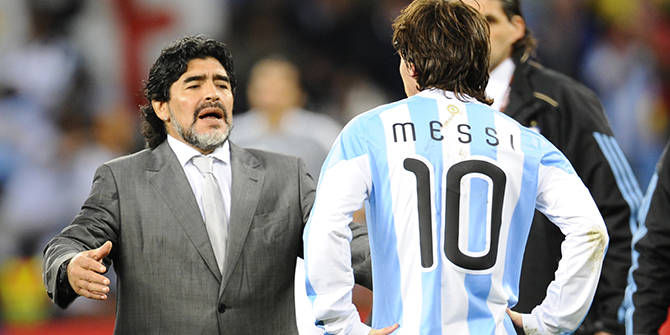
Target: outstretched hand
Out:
[85,273]
[384,331]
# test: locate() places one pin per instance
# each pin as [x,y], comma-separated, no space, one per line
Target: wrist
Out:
[63,287]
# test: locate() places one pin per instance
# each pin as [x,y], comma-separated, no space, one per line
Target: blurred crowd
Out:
[71,73]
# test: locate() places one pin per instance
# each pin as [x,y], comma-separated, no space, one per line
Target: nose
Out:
[211,93]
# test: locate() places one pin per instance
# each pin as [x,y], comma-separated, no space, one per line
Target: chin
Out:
[207,141]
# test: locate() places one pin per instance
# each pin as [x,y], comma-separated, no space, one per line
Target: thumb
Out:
[102,252]
[516,317]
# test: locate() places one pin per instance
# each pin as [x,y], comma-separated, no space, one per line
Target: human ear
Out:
[161,109]
[411,70]
[519,27]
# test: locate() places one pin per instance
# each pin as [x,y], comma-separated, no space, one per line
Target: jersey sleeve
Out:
[564,199]
[344,183]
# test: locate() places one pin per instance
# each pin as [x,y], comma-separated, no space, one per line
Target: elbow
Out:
[599,241]
[600,236]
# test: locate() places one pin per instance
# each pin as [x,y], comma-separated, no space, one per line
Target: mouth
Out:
[211,113]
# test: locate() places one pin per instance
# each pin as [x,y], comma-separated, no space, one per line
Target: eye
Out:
[194,86]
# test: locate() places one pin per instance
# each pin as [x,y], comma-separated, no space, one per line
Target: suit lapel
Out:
[166,174]
[247,181]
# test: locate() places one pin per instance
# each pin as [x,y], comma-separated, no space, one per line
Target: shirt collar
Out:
[499,81]
[433,92]
[185,152]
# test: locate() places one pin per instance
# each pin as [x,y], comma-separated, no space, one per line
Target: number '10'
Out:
[451,214]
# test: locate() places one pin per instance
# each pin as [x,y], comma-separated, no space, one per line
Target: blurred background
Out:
[71,74]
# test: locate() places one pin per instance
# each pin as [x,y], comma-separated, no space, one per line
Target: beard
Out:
[204,142]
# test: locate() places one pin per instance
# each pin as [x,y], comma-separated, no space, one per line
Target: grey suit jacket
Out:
[167,277]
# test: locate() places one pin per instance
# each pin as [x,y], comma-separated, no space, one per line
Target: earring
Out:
[165,118]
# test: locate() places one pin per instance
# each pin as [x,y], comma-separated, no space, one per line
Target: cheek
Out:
[228,102]
[183,106]
[229,118]
[499,43]
[495,37]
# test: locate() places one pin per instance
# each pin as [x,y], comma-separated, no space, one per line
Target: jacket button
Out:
[222,308]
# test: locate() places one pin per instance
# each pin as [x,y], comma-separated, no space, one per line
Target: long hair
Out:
[168,68]
[448,44]
[525,46]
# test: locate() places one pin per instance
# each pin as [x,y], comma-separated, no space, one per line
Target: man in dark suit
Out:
[145,214]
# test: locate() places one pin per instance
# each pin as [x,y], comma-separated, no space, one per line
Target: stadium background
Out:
[71,72]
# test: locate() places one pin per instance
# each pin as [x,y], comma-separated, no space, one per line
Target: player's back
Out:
[454,187]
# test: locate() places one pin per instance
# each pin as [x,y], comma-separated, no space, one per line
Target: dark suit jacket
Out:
[167,277]
[568,114]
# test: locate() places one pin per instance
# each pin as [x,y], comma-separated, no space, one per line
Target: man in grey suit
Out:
[146,217]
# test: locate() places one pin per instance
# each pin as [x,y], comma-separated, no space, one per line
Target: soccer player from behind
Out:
[450,187]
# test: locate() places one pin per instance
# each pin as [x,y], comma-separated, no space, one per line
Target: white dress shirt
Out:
[499,84]
[222,171]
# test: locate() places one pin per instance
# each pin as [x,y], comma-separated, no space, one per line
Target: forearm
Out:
[330,278]
[327,243]
[570,294]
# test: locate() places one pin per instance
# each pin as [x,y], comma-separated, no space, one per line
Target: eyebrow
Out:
[202,77]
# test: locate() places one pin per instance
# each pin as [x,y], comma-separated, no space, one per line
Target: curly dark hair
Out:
[448,44]
[170,65]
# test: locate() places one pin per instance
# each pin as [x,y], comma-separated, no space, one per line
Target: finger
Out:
[391,328]
[384,331]
[91,294]
[90,289]
[89,281]
[80,271]
[79,276]
[102,252]
[94,278]
[88,263]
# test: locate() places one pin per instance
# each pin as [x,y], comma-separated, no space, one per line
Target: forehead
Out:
[487,7]
[203,67]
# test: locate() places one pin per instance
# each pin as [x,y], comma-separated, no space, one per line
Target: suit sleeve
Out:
[564,199]
[96,223]
[651,275]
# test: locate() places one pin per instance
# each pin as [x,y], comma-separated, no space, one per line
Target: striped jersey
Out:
[450,188]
